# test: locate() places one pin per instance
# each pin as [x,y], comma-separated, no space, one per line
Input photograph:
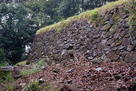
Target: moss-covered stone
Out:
[113,29]
[106,27]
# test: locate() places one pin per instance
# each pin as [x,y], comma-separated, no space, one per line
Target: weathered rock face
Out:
[109,40]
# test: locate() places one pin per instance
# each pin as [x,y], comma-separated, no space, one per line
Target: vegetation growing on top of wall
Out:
[21,63]
[90,15]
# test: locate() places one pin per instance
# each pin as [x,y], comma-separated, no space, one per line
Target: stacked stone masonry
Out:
[108,40]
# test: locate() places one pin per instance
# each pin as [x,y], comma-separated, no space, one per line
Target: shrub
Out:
[6,77]
[3,60]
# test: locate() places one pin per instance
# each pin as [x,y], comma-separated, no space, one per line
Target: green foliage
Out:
[35,67]
[3,60]
[94,16]
[3,64]
[44,12]
[132,21]
[132,18]
[33,86]
[69,8]
[6,77]
[16,30]
[9,87]
[48,88]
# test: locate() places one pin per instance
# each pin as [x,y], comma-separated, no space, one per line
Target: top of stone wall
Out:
[88,15]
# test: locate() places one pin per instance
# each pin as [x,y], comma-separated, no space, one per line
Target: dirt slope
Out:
[84,76]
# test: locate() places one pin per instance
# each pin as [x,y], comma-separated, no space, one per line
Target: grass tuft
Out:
[35,67]
[6,77]
[9,87]
[33,86]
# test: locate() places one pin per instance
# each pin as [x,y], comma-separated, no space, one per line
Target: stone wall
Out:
[110,39]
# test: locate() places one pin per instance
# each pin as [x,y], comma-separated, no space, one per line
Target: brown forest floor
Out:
[86,76]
